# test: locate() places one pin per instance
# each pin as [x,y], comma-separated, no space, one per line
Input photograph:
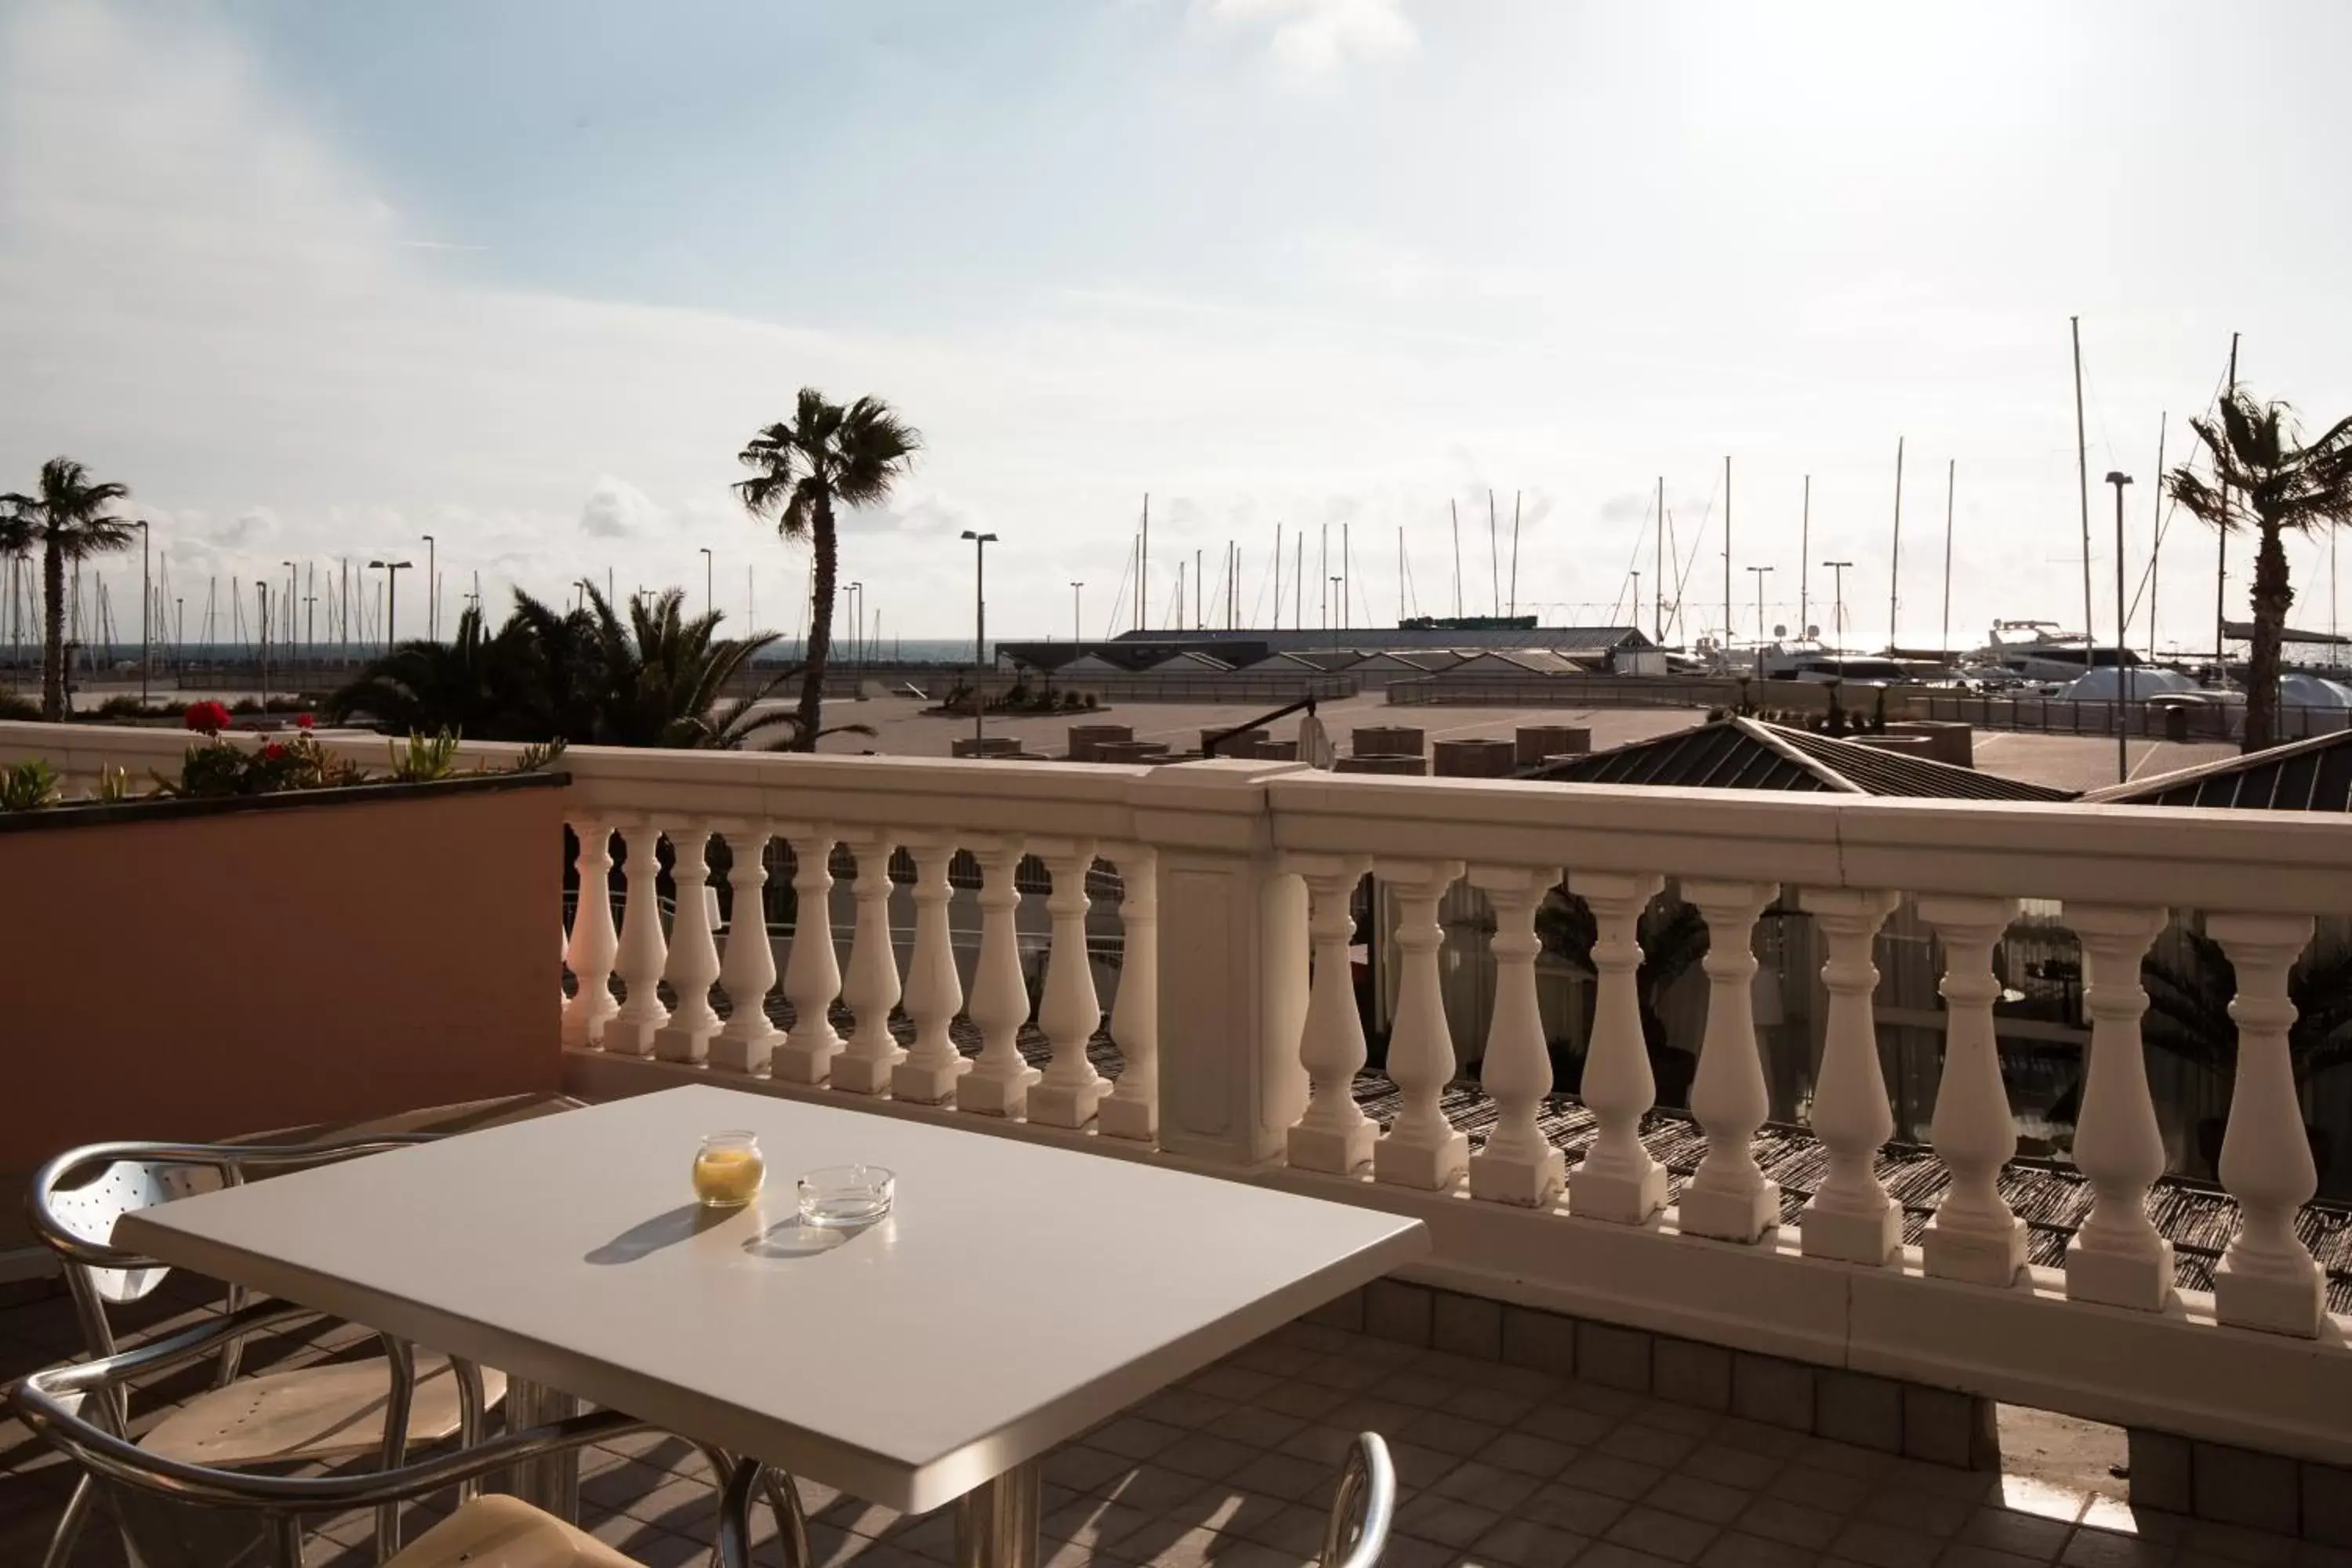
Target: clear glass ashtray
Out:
[840,1195]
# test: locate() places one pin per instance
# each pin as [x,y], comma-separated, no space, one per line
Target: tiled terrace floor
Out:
[1498,1466]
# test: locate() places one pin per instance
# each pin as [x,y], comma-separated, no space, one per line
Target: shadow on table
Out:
[665,1230]
[797,1238]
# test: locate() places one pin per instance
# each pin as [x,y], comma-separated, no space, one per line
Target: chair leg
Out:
[791,1523]
[69,1523]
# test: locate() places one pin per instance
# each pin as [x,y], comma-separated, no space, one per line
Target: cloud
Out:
[1319,38]
[616,509]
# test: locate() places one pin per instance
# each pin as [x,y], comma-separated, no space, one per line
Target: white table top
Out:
[1018,1295]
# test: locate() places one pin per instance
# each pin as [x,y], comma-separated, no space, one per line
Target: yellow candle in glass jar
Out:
[728,1170]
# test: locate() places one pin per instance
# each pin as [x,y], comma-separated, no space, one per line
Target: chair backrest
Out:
[89,1211]
[1362,1506]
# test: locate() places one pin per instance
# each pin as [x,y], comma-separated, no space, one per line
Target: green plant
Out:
[540,755]
[19,708]
[28,785]
[113,784]
[215,768]
[425,758]
[68,517]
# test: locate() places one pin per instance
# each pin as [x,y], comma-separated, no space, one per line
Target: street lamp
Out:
[1330,620]
[980,543]
[392,570]
[433,591]
[1759,573]
[708,602]
[857,625]
[1837,615]
[2123,674]
[293,593]
[1077,622]
[261,590]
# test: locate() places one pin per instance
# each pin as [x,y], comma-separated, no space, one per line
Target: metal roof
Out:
[2302,775]
[1748,754]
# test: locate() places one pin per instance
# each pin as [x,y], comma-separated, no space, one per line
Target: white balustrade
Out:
[812,972]
[1422,1148]
[1070,1011]
[1132,1108]
[1617,1180]
[593,943]
[643,949]
[693,950]
[2267,1279]
[1973,1235]
[748,969]
[928,1073]
[1729,1196]
[1851,1216]
[2116,1257]
[998,1083]
[1332,1133]
[872,987]
[1518,1164]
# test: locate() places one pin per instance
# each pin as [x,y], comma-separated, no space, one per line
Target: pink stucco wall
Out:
[217,975]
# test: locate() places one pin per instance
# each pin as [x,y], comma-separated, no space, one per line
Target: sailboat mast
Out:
[1143,570]
[1455,511]
[1659,577]
[1515,553]
[2083,485]
[1298,580]
[1726,555]
[1951,478]
[1277,576]
[2221,549]
[1805,559]
[1400,574]
[1494,563]
[1894,554]
[2156,535]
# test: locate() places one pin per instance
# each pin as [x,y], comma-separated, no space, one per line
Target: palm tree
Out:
[826,456]
[16,538]
[68,516]
[2264,480]
[661,676]
[477,683]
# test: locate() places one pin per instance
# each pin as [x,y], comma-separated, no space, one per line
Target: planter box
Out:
[201,969]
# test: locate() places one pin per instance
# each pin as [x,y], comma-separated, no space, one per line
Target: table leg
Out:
[996,1522]
[552,1483]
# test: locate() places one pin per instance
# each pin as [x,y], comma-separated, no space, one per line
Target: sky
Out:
[319,280]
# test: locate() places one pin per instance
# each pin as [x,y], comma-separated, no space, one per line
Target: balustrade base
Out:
[1730,1216]
[993,1096]
[1066,1104]
[864,1075]
[799,1062]
[1135,1120]
[1987,1257]
[585,1034]
[1528,1183]
[1850,1238]
[682,1043]
[919,1083]
[1331,1150]
[1621,1197]
[735,1053]
[1427,1165]
[630,1037]
[2289,1301]
[2141,1281]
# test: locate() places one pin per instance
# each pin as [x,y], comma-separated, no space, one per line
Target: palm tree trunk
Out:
[824,550]
[2271,599]
[53,631]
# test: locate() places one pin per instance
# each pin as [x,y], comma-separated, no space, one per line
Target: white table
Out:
[1019,1294]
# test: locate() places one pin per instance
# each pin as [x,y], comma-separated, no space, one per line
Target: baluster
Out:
[1070,1011]
[749,969]
[872,987]
[1617,1180]
[2267,1279]
[693,950]
[1728,1196]
[2116,1257]
[1851,1216]
[643,949]
[1973,1235]
[998,1083]
[1132,1110]
[1518,1164]
[593,944]
[1333,1134]
[811,973]
[1422,1148]
[928,1073]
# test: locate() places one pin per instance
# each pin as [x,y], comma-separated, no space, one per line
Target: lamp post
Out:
[2118,478]
[146,603]
[1077,621]
[392,570]
[1759,574]
[709,602]
[857,625]
[432,593]
[980,543]
[1837,614]
[1331,621]
[261,593]
[293,594]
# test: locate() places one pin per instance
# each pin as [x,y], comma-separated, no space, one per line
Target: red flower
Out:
[301,721]
[272,752]
[206,717]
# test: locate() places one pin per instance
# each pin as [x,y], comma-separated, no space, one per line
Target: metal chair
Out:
[1363,1506]
[158,1497]
[324,1414]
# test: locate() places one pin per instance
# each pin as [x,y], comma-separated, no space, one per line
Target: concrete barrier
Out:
[1475,759]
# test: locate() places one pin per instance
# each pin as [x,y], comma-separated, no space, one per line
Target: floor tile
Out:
[1524,1543]
[1661,1534]
[1698,1499]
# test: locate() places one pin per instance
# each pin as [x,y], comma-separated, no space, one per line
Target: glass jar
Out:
[728,1170]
